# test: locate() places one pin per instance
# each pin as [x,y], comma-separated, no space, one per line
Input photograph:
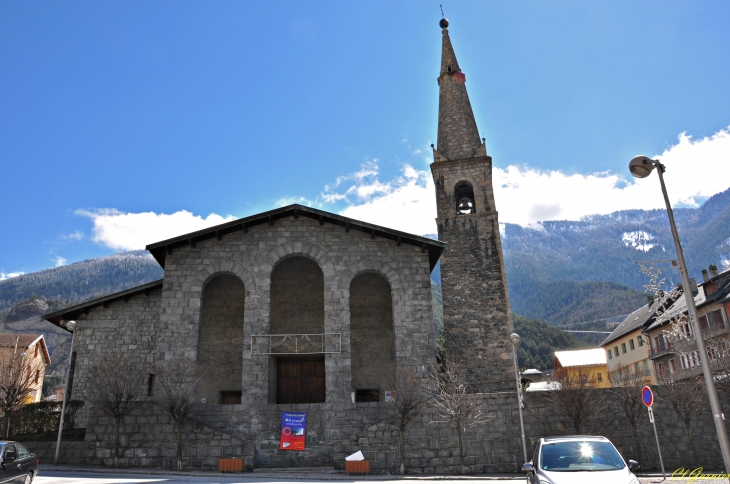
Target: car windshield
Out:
[573,456]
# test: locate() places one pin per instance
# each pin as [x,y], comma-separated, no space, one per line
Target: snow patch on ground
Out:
[639,240]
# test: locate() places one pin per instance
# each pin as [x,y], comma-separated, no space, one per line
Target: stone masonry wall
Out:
[496,447]
[337,430]
[477,317]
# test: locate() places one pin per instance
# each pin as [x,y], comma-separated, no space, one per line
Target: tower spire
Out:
[458,136]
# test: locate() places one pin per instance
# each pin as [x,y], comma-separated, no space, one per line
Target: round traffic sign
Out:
[647,396]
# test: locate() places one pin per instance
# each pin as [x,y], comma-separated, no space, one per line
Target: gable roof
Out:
[160,249]
[590,357]
[633,322]
[58,317]
[25,341]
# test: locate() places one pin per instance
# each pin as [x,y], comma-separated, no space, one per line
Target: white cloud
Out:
[406,203]
[283,202]
[527,195]
[74,236]
[59,261]
[130,231]
[8,275]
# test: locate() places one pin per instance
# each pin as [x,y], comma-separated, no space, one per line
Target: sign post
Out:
[647,396]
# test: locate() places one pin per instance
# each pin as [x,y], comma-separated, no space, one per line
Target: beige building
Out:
[591,362]
[626,348]
[31,350]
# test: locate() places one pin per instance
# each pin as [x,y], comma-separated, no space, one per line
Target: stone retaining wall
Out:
[336,430]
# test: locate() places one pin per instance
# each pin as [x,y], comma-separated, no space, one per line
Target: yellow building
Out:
[25,356]
[591,363]
[626,349]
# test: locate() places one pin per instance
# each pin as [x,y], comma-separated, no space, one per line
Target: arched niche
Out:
[297,297]
[372,340]
[297,307]
[464,197]
[220,343]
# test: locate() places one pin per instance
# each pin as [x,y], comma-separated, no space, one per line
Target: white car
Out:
[579,459]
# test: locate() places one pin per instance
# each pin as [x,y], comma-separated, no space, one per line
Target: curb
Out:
[262,475]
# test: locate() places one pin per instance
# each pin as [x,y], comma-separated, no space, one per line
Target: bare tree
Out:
[114,385]
[575,397]
[721,372]
[178,389]
[626,386]
[409,398]
[17,380]
[454,404]
[687,396]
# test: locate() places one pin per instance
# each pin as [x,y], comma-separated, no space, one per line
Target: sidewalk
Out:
[264,474]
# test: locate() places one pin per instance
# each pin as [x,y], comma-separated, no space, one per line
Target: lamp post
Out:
[641,167]
[71,326]
[515,338]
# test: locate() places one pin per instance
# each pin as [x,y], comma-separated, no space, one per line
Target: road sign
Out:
[651,415]
[647,396]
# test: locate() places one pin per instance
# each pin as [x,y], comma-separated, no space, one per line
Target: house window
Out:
[640,340]
[623,348]
[599,377]
[615,351]
[686,329]
[609,354]
[631,344]
[660,369]
[703,324]
[37,376]
[646,368]
[716,321]
[672,366]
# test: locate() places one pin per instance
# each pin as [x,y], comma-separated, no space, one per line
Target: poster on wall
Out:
[293,431]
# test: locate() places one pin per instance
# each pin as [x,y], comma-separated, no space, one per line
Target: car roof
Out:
[568,438]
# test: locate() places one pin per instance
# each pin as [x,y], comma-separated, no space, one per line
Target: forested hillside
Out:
[539,342]
[67,285]
[607,247]
[567,302]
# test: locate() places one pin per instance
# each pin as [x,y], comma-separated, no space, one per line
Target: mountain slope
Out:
[82,280]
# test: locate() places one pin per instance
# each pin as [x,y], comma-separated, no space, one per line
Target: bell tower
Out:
[477,317]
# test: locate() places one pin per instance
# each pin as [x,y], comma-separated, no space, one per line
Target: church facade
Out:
[298,309]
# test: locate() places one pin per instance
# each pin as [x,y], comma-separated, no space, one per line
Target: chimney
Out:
[705,275]
[713,271]
[693,285]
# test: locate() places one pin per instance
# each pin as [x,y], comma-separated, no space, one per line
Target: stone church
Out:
[298,309]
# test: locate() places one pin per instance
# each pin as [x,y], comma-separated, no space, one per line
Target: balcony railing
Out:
[661,349]
[296,344]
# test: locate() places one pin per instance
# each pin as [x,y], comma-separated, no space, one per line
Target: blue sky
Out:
[122,123]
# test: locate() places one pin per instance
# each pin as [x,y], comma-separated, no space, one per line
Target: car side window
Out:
[22,451]
[9,452]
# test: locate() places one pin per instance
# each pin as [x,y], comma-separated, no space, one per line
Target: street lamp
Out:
[515,338]
[641,167]
[71,326]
